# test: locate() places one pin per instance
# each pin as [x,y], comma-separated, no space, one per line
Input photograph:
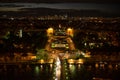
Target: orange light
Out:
[41,61]
[71,61]
[70,31]
[80,61]
[50,31]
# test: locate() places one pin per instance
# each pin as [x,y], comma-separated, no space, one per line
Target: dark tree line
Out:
[29,42]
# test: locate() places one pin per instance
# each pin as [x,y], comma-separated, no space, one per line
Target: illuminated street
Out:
[57,69]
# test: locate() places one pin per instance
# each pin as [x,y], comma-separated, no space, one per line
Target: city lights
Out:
[44,48]
[70,32]
[50,31]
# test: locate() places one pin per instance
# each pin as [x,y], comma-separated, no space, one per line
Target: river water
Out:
[46,72]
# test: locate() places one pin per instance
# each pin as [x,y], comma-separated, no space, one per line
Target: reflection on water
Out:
[57,69]
[72,68]
[101,71]
[37,70]
[26,72]
[78,72]
[60,71]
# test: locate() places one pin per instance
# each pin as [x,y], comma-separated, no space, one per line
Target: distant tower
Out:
[20,33]
[59,25]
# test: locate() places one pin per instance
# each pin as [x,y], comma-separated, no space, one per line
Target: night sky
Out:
[110,6]
[53,1]
[79,6]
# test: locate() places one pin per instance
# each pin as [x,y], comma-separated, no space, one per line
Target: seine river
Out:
[68,72]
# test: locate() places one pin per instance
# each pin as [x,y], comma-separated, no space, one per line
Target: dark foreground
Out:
[28,71]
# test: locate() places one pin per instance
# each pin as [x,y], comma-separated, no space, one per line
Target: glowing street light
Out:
[70,61]
[41,61]
[80,61]
[50,31]
[70,31]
